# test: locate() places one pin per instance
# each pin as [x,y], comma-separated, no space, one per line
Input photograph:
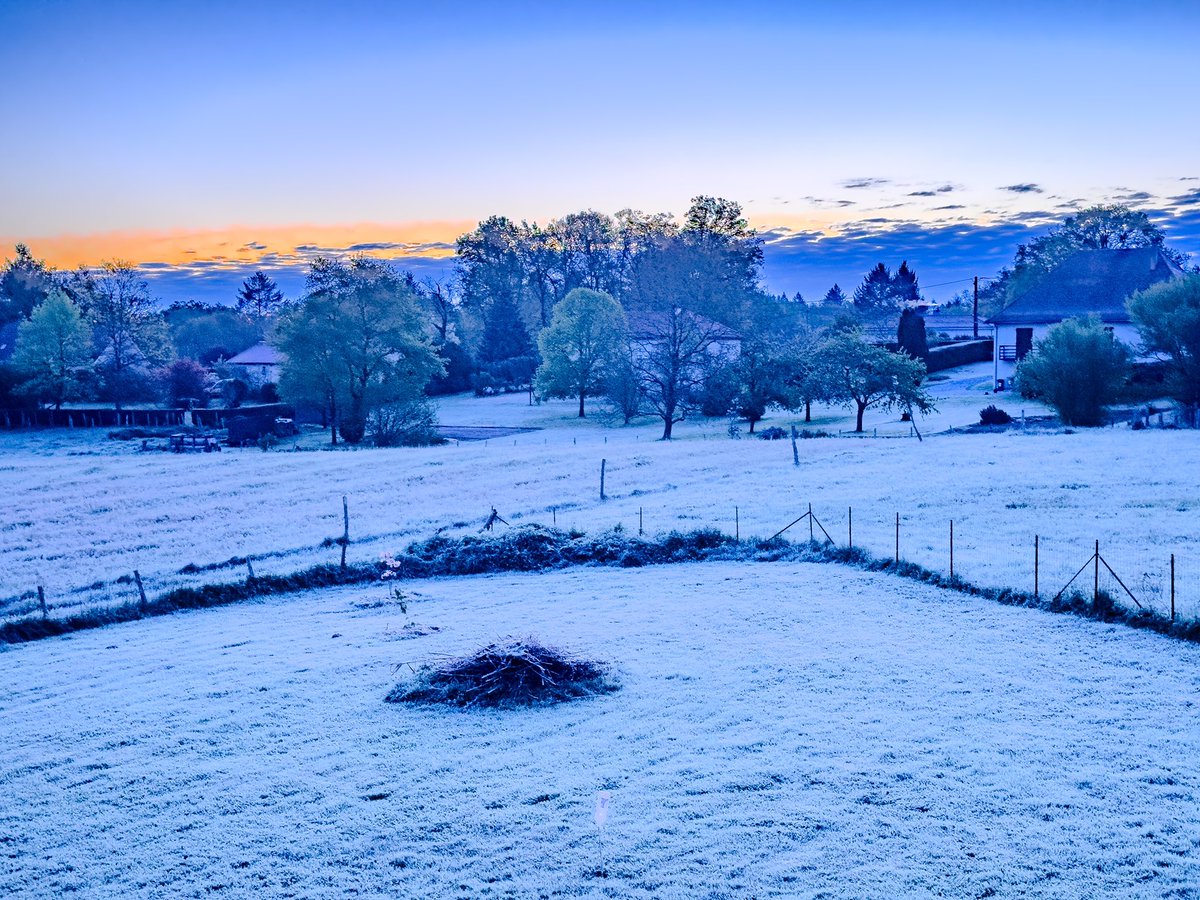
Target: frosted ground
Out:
[80,513]
[783,730]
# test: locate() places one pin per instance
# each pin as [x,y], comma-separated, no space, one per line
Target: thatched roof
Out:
[1089,282]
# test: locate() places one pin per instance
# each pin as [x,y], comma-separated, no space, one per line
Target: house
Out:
[1089,282]
[259,364]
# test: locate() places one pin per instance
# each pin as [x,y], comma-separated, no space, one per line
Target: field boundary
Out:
[536,548]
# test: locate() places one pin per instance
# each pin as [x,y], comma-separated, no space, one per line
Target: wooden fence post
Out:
[795,452]
[737,527]
[897,539]
[46,614]
[951,549]
[345,528]
[603,463]
[1036,561]
[1096,581]
[850,525]
[1172,587]
[141,590]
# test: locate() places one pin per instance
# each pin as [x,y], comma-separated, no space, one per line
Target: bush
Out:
[993,415]
[410,424]
[774,433]
[507,675]
[1078,368]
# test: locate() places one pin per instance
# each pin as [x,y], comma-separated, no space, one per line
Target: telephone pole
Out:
[975,311]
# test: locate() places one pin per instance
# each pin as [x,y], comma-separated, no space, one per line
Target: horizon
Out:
[205,145]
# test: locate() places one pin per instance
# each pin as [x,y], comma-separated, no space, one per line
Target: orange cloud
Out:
[241,243]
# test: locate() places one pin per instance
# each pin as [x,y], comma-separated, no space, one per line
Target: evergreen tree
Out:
[904,285]
[504,334]
[259,298]
[910,335]
[24,283]
[835,296]
[875,293]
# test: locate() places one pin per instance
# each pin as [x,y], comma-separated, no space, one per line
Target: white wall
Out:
[1006,336]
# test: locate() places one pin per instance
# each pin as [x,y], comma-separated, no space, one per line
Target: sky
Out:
[203,141]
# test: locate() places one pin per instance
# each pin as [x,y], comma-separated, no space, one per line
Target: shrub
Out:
[507,675]
[411,424]
[1078,368]
[993,415]
[774,433]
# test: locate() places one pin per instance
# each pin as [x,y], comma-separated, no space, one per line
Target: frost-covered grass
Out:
[782,730]
[81,513]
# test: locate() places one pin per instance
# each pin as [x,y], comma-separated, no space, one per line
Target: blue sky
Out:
[940,131]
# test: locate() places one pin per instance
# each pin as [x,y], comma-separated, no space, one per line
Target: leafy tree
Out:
[505,336]
[835,296]
[489,266]
[53,347]
[875,293]
[910,335]
[259,299]
[859,375]
[208,333]
[186,382]
[1167,316]
[1078,368]
[581,346]
[24,283]
[623,388]
[355,344]
[587,246]
[131,333]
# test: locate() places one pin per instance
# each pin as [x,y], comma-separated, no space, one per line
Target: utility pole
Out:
[975,311]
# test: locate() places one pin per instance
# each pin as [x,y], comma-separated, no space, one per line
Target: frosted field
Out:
[81,512]
[783,730]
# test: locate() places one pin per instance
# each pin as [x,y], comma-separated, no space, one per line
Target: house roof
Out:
[1089,282]
[261,354]
[652,325]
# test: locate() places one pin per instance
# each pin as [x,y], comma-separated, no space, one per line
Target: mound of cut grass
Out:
[515,673]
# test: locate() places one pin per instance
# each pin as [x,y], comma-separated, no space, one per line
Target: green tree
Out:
[53,347]
[859,375]
[1078,368]
[1167,316]
[910,335]
[259,299]
[582,345]
[132,335]
[875,292]
[834,297]
[355,345]
[24,283]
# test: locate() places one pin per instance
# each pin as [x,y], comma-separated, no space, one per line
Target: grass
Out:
[534,548]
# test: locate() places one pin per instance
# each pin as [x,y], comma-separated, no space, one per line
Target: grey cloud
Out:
[1027,188]
[864,182]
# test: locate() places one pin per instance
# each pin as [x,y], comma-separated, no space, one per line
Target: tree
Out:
[875,293]
[581,346]
[910,335]
[1078,368]
[53,348]
[835,296]
[259,299]
[355,344]
[132,334]
[1167,316]
[505,336]
[859,375]
[904,285]
[208,333]
[186,382]
[24,283]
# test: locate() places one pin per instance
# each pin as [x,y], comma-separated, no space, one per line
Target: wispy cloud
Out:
[1026,188]
[856,183]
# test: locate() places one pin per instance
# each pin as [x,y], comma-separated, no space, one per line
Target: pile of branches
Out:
[516,673]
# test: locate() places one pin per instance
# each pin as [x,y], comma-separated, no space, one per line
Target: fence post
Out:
[345,528]
[46,615]
[795,452]
[897,539]
[249,571]
[850,525]
[1172,587]
[554,516]
[737,527]
[1096,576]
[141,590]
[951,549]
[1036,561]
[810,523]
[603,463]
[639,521]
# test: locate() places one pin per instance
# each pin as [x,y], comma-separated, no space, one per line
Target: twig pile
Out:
[510,674]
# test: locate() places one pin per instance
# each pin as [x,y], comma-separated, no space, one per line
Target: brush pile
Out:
[515,673]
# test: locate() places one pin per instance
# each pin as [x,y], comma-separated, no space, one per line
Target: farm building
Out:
[1090,282]
[260,364]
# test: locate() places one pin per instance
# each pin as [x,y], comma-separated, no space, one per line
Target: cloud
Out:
[854,183]
[253,245]
[933,192]
[950,206]
[1027,188]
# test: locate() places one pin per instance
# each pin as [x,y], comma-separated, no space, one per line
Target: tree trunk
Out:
[807,410]
[581,394]
[667,423]
[862,408]
[752,421]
